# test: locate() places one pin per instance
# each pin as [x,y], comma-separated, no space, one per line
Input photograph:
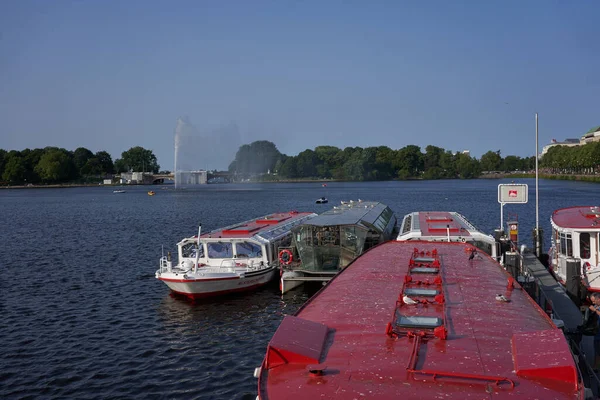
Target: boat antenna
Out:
[198,248]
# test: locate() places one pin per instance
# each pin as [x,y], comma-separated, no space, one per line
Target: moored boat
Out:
[118,191]
[419,320]
[576,240]
[151,193]
[445,226]
[236,258]
[328,243]
[322,200]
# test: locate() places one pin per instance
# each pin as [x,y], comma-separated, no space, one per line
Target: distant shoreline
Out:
[581,178]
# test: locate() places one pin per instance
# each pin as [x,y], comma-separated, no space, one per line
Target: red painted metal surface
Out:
[580,217]
[434,223]
[254,226]
[424,324]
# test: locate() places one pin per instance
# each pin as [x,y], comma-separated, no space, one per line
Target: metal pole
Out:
[537,204]
[537,235]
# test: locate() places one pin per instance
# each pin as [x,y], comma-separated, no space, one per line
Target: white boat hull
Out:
[202,285]
[286,284]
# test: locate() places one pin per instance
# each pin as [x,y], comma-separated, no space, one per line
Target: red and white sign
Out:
[512,193]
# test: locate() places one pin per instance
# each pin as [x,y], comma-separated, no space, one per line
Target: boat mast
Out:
[537,234]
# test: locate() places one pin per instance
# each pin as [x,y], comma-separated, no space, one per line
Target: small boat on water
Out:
[418,319]
[576,239]
[236,258]
[321,200]
[118,191]
[151,193]
[446,226]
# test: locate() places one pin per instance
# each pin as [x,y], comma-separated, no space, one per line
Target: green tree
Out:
[306,164]
[288,168]
[106,163]
[55,166]
[81,155]
[256,158]
[491,161]
[409,161]
[14,168]
[137,159]
[3,154]
[326,156]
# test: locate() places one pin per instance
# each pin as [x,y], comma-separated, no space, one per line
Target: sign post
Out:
[515,193]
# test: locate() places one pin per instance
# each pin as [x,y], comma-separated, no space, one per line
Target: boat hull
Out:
[214,285]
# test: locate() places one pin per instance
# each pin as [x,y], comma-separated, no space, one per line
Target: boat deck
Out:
[360,338]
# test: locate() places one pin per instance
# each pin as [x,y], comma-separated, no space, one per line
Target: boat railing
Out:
[165,264]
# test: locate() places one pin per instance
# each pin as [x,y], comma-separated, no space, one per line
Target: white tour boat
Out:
[576,238]
[236,258]
[446,226]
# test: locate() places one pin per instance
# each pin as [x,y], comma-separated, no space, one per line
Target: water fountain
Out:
[195,153]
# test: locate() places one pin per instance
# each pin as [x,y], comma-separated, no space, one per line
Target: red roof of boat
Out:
[436,223]
[474,333]
[580,217]
[254,226]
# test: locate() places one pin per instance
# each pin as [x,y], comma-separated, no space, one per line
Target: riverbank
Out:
[581,178]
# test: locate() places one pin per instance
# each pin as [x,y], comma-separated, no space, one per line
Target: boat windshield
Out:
[219,249]
[247,249]
[190,249]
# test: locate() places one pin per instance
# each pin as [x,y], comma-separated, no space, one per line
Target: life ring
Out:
[286,257]
[588,266]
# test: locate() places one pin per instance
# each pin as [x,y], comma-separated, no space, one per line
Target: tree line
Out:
[262,160]
[57,165]
[371,163]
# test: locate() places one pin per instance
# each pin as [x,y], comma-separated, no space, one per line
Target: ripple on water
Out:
[83,316]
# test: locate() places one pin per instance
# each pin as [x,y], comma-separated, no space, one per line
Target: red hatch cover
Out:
[296,341]
[543,355]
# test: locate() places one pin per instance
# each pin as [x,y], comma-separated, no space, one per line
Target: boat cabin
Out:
[576,237]
[445,226]
[332,240]
[257,240]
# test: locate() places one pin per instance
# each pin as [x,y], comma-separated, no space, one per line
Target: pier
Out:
[552,297]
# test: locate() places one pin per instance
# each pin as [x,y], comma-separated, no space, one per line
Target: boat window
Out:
[418,322]
[566,244]
[584,245]
[407,223]
[189,250]
[484,246]
[350,239]
[247,249]
[219,250]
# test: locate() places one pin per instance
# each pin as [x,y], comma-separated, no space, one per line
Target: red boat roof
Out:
[254,226]
[436,223]
[580,217]
[473,333]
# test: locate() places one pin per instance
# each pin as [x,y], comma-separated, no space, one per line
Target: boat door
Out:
[588,248]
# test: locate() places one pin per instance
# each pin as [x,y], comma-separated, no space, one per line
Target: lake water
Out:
[84,317]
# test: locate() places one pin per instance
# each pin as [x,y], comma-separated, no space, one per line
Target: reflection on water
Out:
[84,317]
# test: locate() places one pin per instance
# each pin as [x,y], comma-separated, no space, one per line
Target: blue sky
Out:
[109,75]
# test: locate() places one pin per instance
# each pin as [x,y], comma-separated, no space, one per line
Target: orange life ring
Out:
[286,257]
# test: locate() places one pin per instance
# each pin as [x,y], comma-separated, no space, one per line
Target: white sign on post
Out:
[516,193]
[512,193]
